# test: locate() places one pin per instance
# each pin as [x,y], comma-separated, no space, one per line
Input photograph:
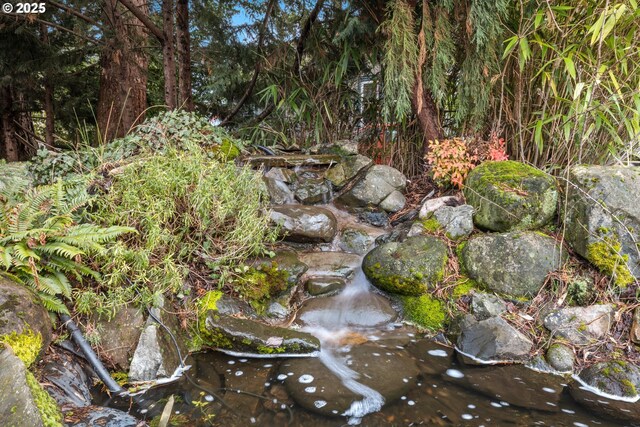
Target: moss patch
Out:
[424,311]
[431,225]
[464,286]
[26,346]
[47,407]
[605,254]
[257,285]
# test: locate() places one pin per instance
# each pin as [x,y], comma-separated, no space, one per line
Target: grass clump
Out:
[191,212]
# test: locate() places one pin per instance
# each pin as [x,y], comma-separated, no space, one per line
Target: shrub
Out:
[450,161]
[191,213]
[42,246]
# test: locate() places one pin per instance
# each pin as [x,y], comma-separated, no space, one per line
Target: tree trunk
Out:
[122,98]
[17,139]
[184,54]
[168,55]
[48,98]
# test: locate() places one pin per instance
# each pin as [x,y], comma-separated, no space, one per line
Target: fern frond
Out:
[52,303]
[23,252]
[60,248]
[62,284]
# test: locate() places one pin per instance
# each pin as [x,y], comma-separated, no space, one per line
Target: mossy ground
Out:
[425,311]
[606,255]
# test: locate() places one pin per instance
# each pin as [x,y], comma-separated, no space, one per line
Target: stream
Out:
[371,371]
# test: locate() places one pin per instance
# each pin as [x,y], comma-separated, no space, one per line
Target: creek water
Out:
[371,371]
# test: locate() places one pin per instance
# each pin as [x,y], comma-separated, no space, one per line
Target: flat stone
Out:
[305,224]
[368,310]
[17,406]
[581,325]
[330,264]
[324,285]
[238,335]
[374,377]
[493,339]
[515,263]
[355,240]
[281,174]
[485,306]
[294,160]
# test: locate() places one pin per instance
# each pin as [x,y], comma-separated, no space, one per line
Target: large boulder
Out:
[18,406]
[603,218]
[492,339]
[407,268]
[514,263]
[510,195]
[343,172]
[374,187]
[581,325]
[22,312]
[305,224]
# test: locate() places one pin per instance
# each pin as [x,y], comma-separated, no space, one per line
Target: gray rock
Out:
[514,263]
[156,355]
[634,334]
[277,310]
[236,335]
[485,306]
[119,335]
[305,224]
[580,325]
[281,174]
[315,388]
[367,311]
[21,311]
[406,268]
[493,339]
[17,406]
[331,264]
[432,205]
[509,195]
[377,218]
[347,169]
[393,202]
[279,191]
[416,229]
[560,357]
[378,182]
[355,240]
[456,221]
[603,218]
[312,191]
[324,285]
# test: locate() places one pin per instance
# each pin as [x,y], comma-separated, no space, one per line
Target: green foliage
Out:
[189,211]
[571,79]
[580,291]
[26,346]
[47,406]
[13,180]
[170,129]
[42,246]
[400,60]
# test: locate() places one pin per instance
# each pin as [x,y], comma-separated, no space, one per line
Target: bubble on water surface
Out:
[467,416]
[437,353]
[238,373]
[548,390]
[282,377]
[305,379]
[320,403]
[454,373]
[208,398]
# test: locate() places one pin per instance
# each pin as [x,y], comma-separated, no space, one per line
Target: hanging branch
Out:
[304,34]
[247,93]
[75,13]
[155,30]
[29,18]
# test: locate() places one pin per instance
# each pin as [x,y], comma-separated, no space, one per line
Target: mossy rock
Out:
[514,264]
[407,268]
[511,195]
[602,219]
[616,377]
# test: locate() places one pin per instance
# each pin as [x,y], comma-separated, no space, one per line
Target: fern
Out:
[42,246]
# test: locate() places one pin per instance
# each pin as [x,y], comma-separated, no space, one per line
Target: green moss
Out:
[628,388]
[26,346]
[263,349]
[49,411]
[605,254]
[209,302]
[464,286]
[226,151]
[431,225]
[424,311]
[257,285]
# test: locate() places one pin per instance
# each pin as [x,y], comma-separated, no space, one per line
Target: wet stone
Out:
[485,306]
[99,416]
[560,357]
[492,340]
[580,325]
[367,310]
[324,285]
[355,240]
[304,224]
[331,264]
[279,191]
[376,377]
[66,381]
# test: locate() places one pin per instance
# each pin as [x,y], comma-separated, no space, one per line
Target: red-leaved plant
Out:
[450,161]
